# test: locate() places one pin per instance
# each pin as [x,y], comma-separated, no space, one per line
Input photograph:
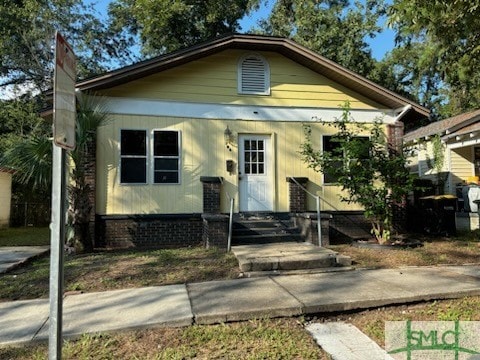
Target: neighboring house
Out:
[460,142]
[222,119]
[5,197]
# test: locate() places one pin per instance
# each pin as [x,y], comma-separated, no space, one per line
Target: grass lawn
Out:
[111,270]
[256,339]
[24,236]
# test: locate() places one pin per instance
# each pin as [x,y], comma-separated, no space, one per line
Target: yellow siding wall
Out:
[5,198]
[204,154]
[214,80]
[461,164]
[424,159]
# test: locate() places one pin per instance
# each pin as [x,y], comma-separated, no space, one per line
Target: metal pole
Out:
[319,222]
[57,238]
[230,224]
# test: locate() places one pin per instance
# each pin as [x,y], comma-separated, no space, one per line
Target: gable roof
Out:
[453,126]
[286,47]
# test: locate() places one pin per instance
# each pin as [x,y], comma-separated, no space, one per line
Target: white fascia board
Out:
[461,144]
[239,112]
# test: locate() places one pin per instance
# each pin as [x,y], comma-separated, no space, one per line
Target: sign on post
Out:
[64,118]
[64,112]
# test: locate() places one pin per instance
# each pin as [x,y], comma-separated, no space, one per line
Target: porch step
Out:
[285,257]
[266,238]
[264,228]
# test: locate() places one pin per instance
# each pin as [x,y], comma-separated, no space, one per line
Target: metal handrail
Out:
[317,199]
[230,218]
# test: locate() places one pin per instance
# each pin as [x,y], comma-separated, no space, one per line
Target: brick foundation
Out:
[297,196]
[149,231]
[215,231]
[212,186]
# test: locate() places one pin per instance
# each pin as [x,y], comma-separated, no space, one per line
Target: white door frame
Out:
[256,172]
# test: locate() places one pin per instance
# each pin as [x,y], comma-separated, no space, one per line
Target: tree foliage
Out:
[450,31]
[412,71]
[369,169]
[335,29]
[27,29]
[31,159]
[167,25]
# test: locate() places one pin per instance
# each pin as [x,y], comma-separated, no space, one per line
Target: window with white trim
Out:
[333,147]
[253,75]
[133,157]
[161,159]
[166,157]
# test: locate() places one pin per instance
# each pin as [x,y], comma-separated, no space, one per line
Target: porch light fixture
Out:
[228,138]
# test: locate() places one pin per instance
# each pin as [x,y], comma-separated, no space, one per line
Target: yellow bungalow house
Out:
[193,129]
[460,145]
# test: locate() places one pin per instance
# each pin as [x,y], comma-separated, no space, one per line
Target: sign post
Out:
[64,117]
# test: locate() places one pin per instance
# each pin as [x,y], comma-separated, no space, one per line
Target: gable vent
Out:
[254,76]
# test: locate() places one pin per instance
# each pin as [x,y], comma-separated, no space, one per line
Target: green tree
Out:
[450,30]
[167,25]
[370,171]
[31,159]
[412,71]
[19,118]
[332,28]
[27,29]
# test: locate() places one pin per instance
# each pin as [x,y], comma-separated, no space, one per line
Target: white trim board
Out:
[239,112]
[463,144]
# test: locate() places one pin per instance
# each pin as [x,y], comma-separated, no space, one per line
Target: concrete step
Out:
[264,228]
[284,256]
[265,238]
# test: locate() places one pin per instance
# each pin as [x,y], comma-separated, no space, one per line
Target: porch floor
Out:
[267,259]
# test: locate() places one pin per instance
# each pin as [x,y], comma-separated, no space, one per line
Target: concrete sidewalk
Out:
[241,299]
[14,256]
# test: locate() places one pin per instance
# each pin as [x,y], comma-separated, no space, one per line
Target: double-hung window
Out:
[166,157]
[333,147]
[157,154]
[133,157]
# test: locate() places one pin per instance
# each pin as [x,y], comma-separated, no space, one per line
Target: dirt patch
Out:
[431,253]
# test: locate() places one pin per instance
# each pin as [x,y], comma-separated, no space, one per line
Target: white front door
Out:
[255,173]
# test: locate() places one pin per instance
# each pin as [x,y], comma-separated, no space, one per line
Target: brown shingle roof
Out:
[283,46]
[450,125]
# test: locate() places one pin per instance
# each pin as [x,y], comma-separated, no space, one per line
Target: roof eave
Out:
[284,46]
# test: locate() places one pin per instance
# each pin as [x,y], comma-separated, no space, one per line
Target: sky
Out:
[380,45]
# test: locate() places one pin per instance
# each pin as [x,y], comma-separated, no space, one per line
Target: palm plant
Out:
[31,159]
[91,113]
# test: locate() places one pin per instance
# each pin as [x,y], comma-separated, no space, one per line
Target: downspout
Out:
[405,109]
